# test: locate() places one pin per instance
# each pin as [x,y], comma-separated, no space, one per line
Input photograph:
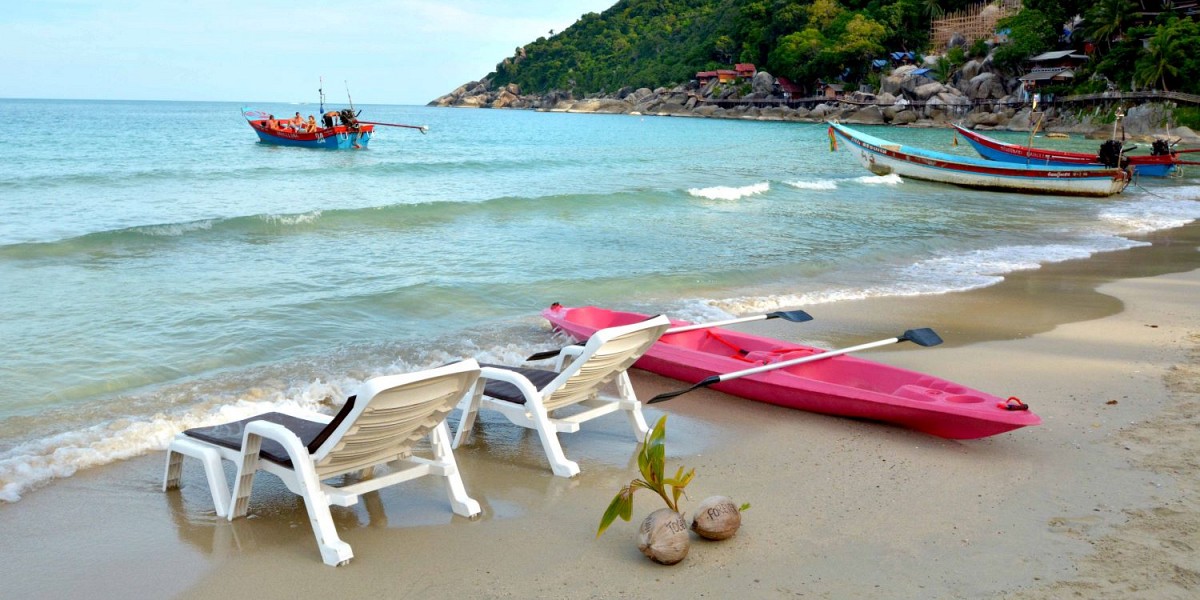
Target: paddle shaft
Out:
[921,337]
[421,127]
[775,315]
[796,316]
[802,360]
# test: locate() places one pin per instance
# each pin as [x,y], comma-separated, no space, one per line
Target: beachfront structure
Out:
[972,23]
[739,72]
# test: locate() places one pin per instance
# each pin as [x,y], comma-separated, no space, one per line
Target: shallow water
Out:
[162,269]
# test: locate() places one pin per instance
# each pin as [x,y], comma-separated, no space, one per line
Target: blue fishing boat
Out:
[1160,163]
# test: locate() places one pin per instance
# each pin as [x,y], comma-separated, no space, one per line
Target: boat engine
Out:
[1160,148]
[1111,156]
[348,119]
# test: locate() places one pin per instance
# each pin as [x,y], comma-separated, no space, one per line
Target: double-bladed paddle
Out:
[795,316]
[920,337]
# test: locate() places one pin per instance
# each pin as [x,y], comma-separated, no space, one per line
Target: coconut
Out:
[663,537]
[717,518]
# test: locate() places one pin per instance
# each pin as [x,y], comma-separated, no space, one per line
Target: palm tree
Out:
[1166,52]
[933,9]
[1107,19]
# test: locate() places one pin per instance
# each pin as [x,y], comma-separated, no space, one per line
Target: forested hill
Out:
[648,43]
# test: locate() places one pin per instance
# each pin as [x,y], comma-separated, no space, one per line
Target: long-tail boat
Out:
[883,157]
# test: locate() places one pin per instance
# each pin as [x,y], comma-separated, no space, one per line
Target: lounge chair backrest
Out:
[391,414]
[607,353]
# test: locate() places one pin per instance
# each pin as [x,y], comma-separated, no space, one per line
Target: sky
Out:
[385,51]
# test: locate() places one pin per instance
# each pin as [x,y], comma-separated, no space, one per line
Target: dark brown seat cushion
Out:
[311,433]
[502,390]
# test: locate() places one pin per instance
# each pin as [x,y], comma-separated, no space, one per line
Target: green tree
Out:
[795,53]
[1030,33]
[1107,19]
[1169,60]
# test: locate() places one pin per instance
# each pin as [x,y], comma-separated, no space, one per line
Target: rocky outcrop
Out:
[976,95]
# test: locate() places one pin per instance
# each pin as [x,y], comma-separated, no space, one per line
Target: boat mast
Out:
[1033,129]
[321,92]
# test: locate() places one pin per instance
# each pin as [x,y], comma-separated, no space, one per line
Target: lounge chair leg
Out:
[213,471]
[554,452]
[243,482]
[174,470]
[460,502]
[334,552]
[469,410]
[631,406]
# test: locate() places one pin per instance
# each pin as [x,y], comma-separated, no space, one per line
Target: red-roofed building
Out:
[727,76]
[745,70]
[705,76]
[789,87]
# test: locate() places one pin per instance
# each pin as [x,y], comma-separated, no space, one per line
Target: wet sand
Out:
[1100,501]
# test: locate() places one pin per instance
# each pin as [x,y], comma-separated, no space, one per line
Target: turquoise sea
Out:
[161,269]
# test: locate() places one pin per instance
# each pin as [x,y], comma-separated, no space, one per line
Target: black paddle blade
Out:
[668,395]
[544,354]
[795,316]
[921,337]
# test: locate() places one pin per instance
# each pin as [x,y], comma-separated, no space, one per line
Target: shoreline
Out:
[1103,348]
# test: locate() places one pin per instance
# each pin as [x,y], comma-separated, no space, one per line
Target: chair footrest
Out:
[570,424]
[347,495]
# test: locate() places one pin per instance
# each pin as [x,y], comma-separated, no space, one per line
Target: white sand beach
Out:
[1100,501]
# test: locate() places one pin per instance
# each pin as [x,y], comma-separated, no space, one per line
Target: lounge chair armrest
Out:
[520,381]
[567,355]
[296,449]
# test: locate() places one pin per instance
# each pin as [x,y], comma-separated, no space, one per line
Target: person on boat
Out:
[269,124]
[329,118]
[297,122]
[312,124]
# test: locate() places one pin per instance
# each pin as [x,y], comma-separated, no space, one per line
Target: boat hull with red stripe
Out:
[843,385]
[1148,165]
[882,157]
[338,137]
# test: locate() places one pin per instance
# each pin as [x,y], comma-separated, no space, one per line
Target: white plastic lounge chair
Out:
[527,397]
[379,425]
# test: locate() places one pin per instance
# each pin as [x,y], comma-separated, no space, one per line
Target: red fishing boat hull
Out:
[338,137]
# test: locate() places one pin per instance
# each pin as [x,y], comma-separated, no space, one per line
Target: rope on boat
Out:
[1140,187]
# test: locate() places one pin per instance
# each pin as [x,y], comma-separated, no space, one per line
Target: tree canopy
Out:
[651,43]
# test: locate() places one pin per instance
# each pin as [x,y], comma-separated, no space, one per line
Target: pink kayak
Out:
[841,385]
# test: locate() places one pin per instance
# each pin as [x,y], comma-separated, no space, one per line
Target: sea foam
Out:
[35,463]
[32,464]
[889,179]
[731,193]
[821,184]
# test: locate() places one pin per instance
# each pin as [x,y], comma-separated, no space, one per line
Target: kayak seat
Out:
[533,398]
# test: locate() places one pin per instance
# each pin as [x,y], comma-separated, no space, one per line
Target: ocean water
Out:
[161,269]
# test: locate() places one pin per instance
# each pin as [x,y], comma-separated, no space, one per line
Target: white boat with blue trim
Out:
[882,157]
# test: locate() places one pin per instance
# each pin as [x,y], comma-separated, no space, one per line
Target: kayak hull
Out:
[845,386]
